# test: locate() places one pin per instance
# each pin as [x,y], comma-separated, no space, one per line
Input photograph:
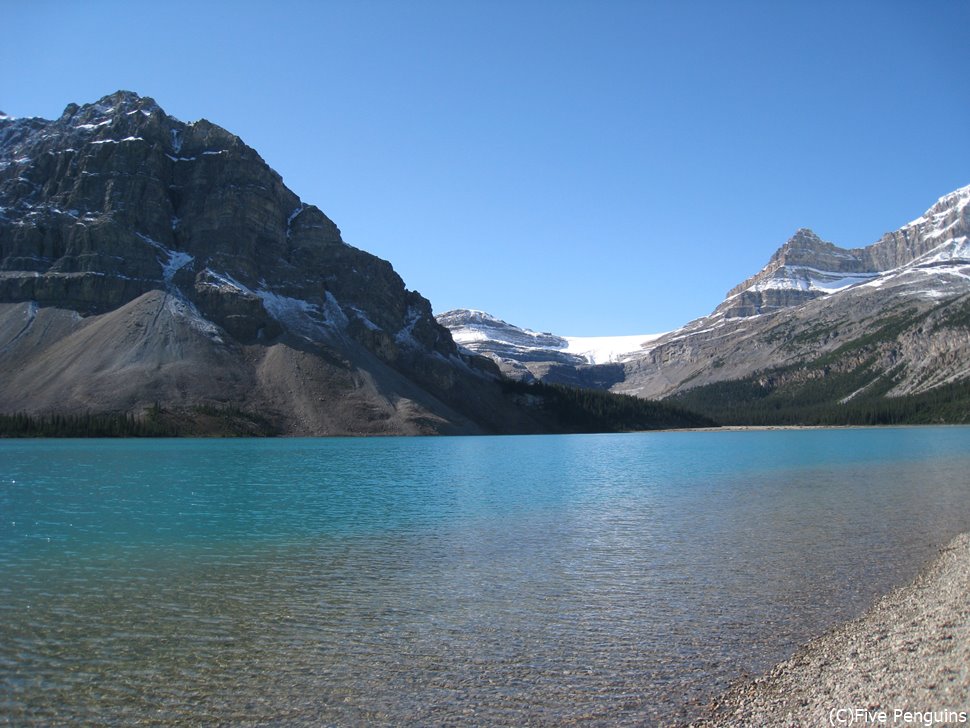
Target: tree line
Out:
[573,409]
[203,420]
[824,402]
[84,425]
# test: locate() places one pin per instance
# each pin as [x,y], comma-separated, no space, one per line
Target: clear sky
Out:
[582,167]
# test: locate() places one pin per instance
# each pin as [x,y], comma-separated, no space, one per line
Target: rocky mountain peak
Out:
[804,239]
[148,260]
[805,267]
[820,321]
[804,236]
[116,198]
[120,102]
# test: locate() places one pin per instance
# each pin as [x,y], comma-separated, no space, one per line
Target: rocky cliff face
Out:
[145,259]
[115,199]
[804,268]
[940,233]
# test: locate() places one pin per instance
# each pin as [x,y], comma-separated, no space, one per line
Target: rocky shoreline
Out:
[904,662]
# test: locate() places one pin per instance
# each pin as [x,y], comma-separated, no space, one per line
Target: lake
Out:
[549,580]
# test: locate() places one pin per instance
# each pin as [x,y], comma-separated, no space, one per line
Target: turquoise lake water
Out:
[603,579]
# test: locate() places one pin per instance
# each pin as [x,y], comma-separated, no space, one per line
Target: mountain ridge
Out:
[147,262]
[814,302]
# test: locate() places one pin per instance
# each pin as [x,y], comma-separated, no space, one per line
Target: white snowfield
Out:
[607,349]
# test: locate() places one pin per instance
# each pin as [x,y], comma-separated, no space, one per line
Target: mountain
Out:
[821,333]
[147,264]
[526,355]
[806,267]
[151,268]
[815,302]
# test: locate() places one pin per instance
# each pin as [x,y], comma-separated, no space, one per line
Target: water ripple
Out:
[605,580]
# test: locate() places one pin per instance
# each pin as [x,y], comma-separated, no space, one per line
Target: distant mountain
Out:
[151,265]
[821,333]
[814,300]
[526,355]
[484,334]
[805,267]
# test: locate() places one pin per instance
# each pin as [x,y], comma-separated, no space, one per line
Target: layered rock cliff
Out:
[804,268]
[145,261]
[115,199]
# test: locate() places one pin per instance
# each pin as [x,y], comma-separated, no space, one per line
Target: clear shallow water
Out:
[608,579]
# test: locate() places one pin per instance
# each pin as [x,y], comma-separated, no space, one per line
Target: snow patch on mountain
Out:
[483,333]
[804,278]
[174,260]
[302,317]
[608,349]
[187,310]
[469,326]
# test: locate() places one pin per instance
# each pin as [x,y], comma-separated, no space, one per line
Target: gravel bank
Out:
[910,654]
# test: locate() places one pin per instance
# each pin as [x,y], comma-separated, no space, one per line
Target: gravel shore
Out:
[905,662]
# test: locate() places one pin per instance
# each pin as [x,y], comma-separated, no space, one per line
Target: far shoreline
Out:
[769,428]
[419,436]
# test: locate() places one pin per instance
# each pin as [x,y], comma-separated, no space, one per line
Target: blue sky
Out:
[586,168]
